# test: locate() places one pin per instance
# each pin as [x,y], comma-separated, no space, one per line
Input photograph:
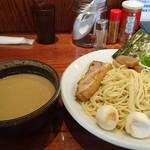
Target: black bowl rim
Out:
[40,110]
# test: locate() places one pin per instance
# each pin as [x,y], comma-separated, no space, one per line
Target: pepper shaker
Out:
[101,34]
[113,30]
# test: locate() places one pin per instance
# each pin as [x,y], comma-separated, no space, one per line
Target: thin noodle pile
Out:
[124,89]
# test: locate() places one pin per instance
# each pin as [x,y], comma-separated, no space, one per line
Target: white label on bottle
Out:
[130,24]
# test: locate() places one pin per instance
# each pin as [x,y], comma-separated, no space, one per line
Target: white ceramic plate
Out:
[68,87]
[144,65]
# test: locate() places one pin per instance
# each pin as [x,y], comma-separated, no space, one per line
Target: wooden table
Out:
[62,132]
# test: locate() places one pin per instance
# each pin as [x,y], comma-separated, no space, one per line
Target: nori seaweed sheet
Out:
[139,42]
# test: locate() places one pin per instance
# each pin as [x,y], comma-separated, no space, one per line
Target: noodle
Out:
[124,89]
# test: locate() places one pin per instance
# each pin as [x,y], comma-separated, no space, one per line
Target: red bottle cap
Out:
[115,14]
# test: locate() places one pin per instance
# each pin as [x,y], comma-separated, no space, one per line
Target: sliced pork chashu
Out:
[90,82]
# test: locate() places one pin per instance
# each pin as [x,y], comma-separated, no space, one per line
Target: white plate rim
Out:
[126,141]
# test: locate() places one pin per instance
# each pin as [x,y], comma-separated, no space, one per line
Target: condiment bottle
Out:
[114,21]
[101,34]
[131,13]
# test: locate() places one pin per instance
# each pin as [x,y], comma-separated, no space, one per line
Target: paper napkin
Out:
[15,40]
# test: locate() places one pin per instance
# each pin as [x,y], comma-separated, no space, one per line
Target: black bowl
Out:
[29,123]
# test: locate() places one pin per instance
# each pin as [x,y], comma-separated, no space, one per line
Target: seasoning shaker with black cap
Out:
[101,34]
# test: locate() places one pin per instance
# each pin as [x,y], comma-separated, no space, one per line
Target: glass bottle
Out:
[114,22]
[131,13]
[101,34]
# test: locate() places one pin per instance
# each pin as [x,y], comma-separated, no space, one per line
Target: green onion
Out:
[145,59]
